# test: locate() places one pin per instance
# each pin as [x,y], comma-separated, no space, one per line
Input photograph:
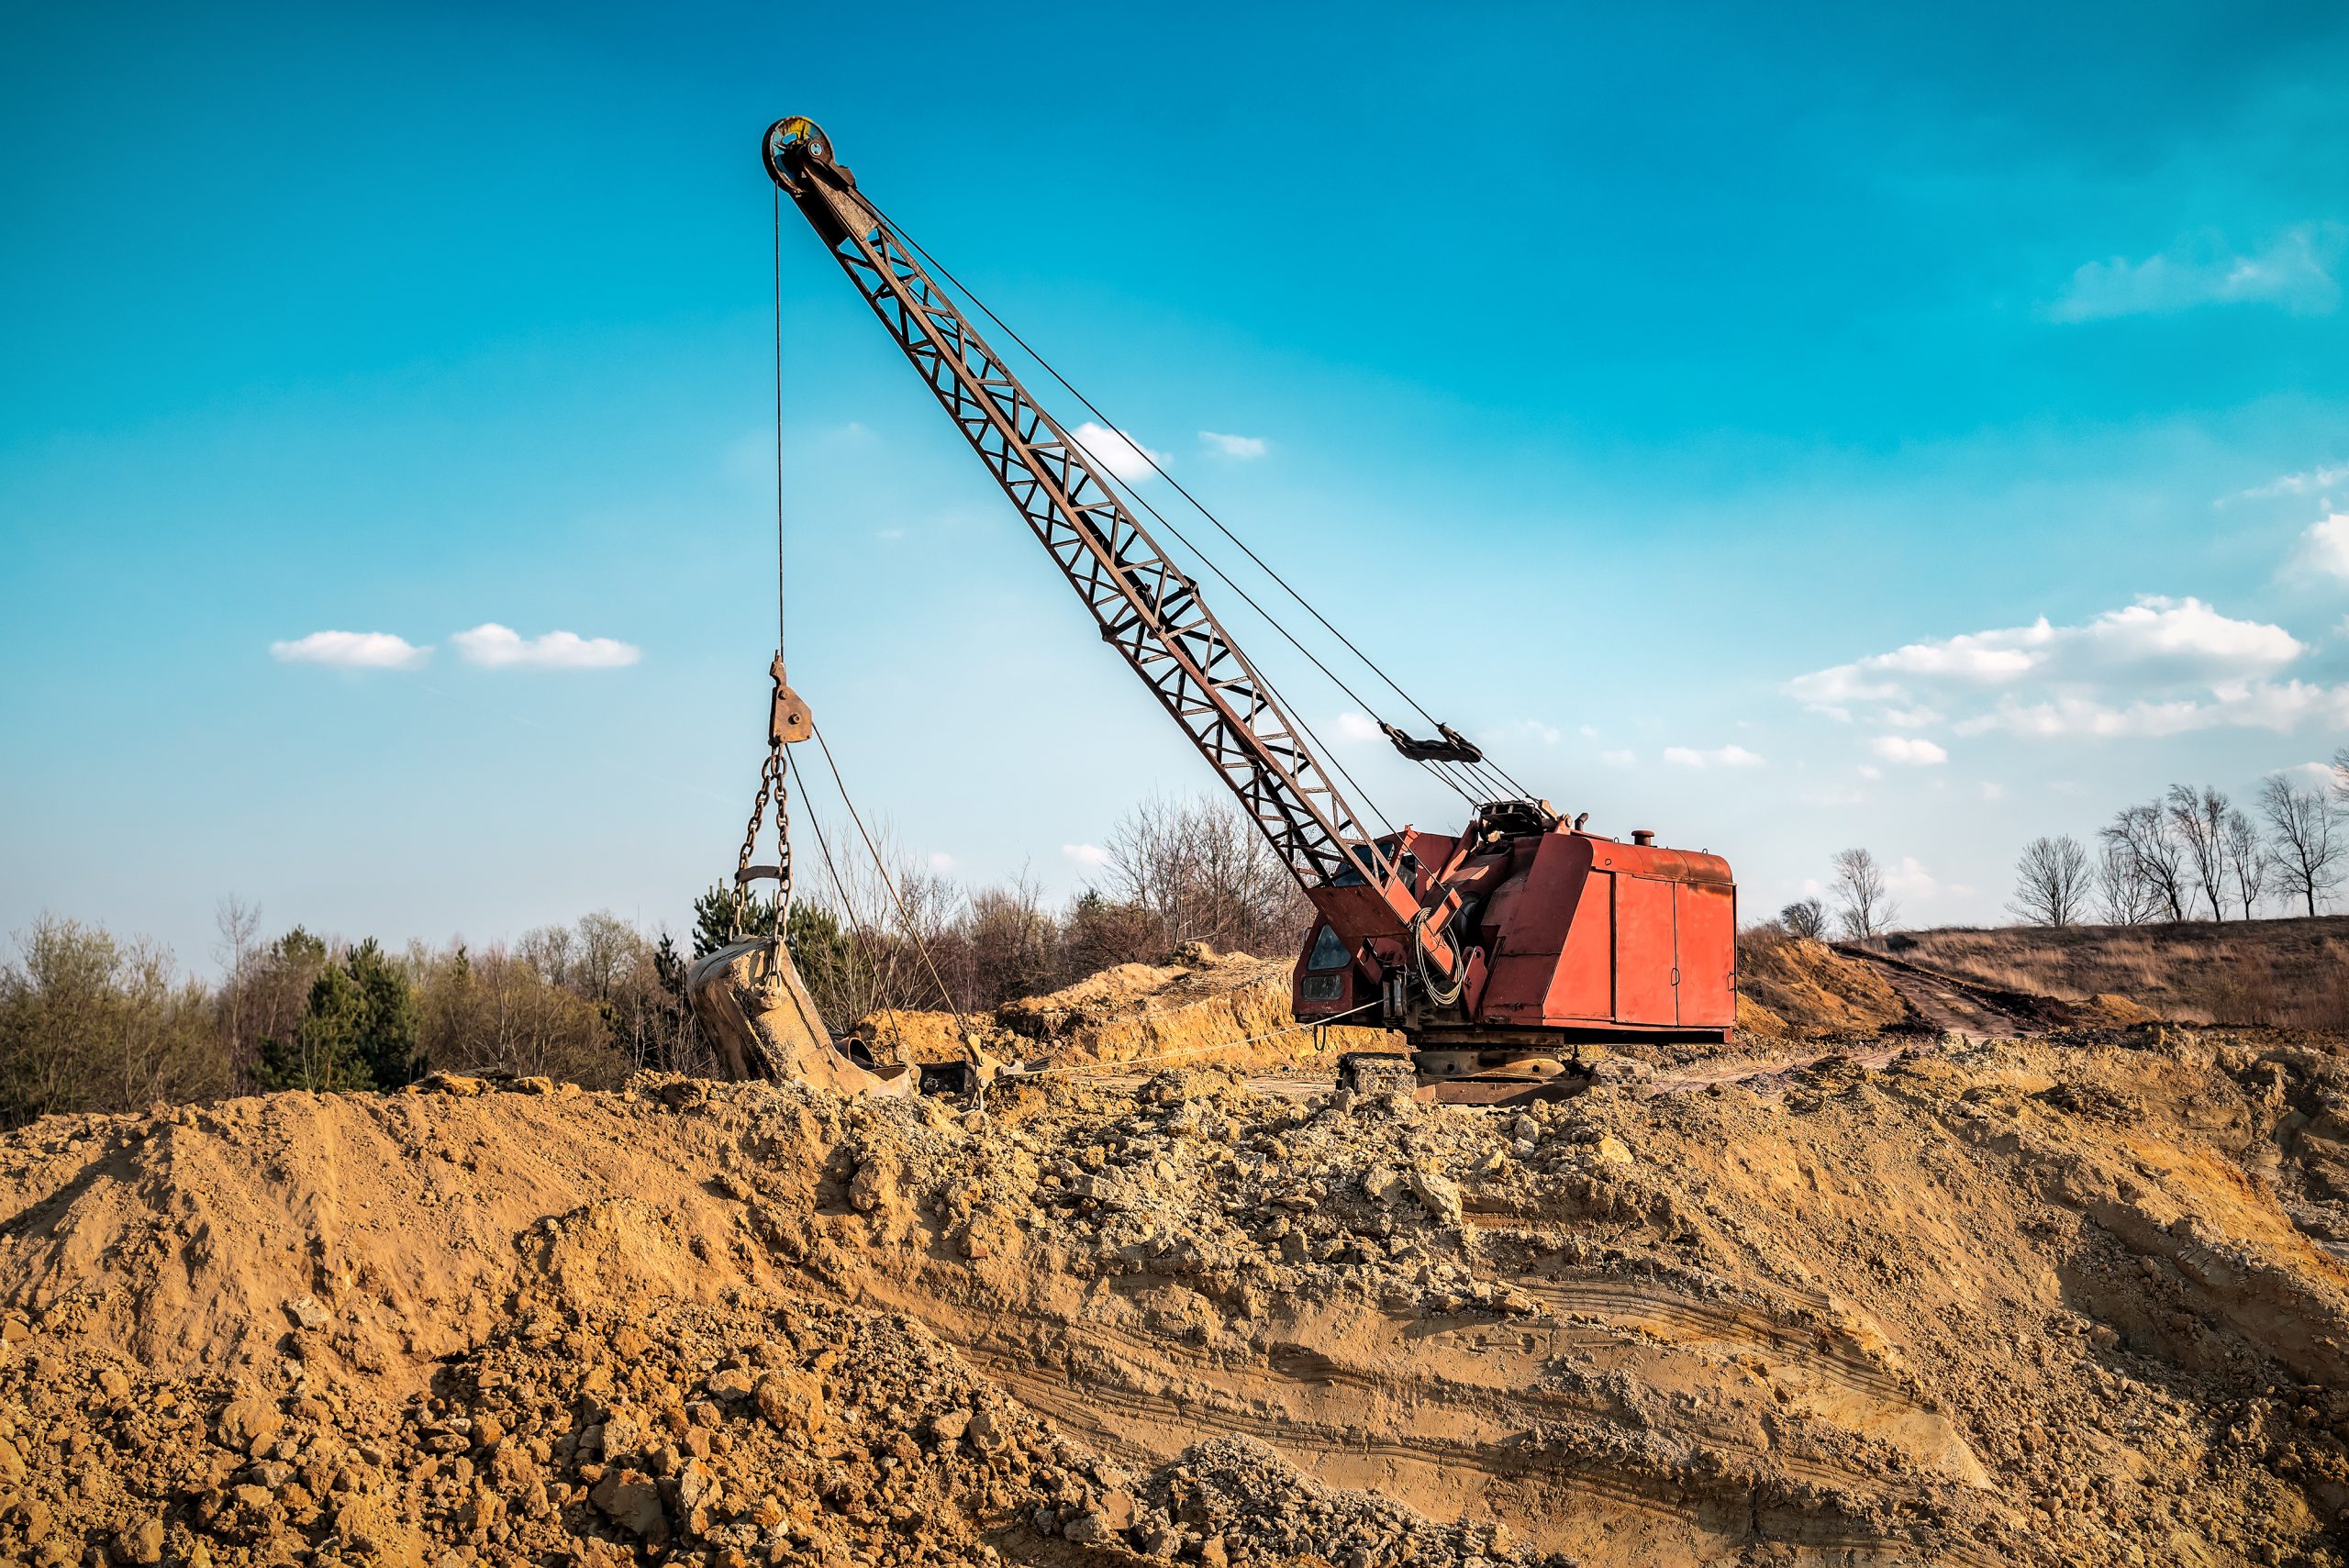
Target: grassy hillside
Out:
[2291,973]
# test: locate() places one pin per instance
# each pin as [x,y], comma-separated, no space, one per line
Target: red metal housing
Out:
[1567,937]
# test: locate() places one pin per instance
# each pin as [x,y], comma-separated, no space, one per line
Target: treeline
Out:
[90,1021]
[2192,853]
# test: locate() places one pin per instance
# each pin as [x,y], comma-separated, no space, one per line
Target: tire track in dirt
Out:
[1951,1005]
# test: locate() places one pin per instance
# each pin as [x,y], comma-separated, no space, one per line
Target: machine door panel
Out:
[1646,951]
[1707,944]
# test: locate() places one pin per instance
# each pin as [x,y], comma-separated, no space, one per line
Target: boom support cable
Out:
[1008,330]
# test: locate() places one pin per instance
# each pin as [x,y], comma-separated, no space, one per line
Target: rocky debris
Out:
[2078,1300]
[1205,1006]
[1235,1501]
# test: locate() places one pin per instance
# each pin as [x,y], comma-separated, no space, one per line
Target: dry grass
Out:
[2285,974]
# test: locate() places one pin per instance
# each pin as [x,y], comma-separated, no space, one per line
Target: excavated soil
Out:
[2076,1299]
[1210,1009]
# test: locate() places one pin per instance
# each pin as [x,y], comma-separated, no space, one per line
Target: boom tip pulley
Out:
[789,145]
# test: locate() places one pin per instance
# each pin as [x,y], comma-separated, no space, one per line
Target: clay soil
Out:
[2072,1299]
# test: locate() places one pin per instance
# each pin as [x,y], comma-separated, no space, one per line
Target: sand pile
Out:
[1793,988]
[2073,1300]
[1206,1008]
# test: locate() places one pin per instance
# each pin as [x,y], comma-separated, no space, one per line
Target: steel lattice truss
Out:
[1147,606]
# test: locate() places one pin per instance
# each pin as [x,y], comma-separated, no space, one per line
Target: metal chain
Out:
[771,788]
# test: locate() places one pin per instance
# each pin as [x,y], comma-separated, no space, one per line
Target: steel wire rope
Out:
[889,884]
[1128,494]
[1125,492]
[856,922]
[778,424]
[1368,662]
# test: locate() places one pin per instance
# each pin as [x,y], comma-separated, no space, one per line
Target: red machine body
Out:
[1566,937]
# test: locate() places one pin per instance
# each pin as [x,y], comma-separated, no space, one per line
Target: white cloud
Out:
[351,650]
[2309,482]
[1911,879]
[496,647]
[1358,726]
[1535,729]
[2160,666]
[1870,771]
[2310,775]
[1618,759]
[1242,447]
[1719,757]
[1908,751]
[1090,856]
[1993,791]
[939,861]
[2247,705]
[2294,270]
[2325,547]
[1124,457]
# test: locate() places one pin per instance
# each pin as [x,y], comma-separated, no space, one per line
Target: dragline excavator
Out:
[1500,951]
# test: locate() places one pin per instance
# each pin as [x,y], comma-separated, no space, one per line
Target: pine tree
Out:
[714,923]
[389,1029]
[359,1030]
[323,1054]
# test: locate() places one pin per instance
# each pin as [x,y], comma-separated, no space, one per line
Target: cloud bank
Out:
[1124,457]
[1730,756]
[2158,667]
[1236,446]
[2295,271]
[351,650]
[496,647]
[2325,547]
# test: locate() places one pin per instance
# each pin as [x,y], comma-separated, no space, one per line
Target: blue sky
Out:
[1706,407]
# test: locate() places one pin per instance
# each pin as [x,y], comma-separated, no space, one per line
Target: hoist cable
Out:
[778,423]
[970,294]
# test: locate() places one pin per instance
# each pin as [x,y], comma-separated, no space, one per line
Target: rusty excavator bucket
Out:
[763,1024]
[748,995]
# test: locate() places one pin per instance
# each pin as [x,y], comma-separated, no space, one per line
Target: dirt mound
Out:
[2074,1300]
[1225,1009]
[2291,973]
[1796,988]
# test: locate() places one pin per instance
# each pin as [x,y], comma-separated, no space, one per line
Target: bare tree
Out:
[2247,861]
[1805,918]
[2052,882]
[1862,902]
[2122,896]
[1014,943]
[2156,859]
[2307,837]
[238,923]
[2198,820]
[1205,874]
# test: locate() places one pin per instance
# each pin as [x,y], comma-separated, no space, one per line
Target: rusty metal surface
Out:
[763,1024]
[788,720]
